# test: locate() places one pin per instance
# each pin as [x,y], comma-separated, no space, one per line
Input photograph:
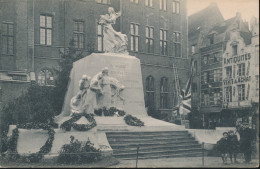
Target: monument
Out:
[99,81]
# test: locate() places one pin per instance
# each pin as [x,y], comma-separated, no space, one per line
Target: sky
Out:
[228,8]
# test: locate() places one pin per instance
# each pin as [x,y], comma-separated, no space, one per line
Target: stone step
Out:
[144,144]
[140,138]
[155,141]
[163,133]
[189,154]
[172,153]
[155,148]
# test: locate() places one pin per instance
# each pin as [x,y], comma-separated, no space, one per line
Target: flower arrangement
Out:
[80,127]
[35,157]
[133,121]
[109,112]
[78,152]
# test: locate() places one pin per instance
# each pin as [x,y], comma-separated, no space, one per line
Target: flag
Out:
[185,106]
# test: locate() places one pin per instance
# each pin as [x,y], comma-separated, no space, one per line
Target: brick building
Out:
[199,25]
[35,33]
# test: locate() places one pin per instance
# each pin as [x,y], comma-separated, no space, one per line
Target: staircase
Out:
[161,144]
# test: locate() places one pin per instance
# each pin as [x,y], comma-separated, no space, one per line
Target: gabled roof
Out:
[246,36]
[199,19]
[223,26]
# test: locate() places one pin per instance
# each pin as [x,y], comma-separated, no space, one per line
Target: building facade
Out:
[241,74]
[34,35]
[209,99]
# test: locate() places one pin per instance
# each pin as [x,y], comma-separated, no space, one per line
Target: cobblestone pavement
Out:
[188,162]
[195,162]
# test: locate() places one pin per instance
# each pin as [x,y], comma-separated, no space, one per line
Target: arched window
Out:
[149,91]
[164,92]
[45,77]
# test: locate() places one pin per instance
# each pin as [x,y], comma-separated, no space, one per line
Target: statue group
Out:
[114,42]
[96,93]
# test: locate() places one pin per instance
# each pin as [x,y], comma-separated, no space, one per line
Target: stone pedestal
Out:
[125,68]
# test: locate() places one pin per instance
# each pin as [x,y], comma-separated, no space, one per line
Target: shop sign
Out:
[237,59]
[240,79]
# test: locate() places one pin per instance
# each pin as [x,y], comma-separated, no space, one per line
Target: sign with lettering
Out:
[240,79]
[237,59]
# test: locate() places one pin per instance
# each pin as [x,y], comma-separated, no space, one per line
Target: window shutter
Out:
[234,71]
[248,88]
[248,67]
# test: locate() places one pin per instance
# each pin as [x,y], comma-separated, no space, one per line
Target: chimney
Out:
[238,15]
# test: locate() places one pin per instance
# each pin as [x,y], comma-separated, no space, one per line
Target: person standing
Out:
[246,137]
[233,146]
[222,147]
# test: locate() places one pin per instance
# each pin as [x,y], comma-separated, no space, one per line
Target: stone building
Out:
[34,34]
[199,25]
[241,74]
[210,38]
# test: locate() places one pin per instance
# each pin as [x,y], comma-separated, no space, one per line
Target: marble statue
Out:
[96,93]
[114,42]
[78,100]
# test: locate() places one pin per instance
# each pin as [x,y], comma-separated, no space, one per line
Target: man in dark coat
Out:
[222,147]
[233,147]
[246,137]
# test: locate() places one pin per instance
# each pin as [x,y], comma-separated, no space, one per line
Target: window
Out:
[228,71]
[100,38]
[163,42]
[135,1]
[206,99]
[45,30]
[103,1]
[241,92]
[45,78]
[149,3]
[176,44]
[194,87]
[241,69]
[206,59]
[163,5]
[8,39]
[176,6]
[193,49]
[217,75]
[206,77]
[149,39]
[228,90]
[78,34]
[216,98]
[211,39]
[164,92]
[134,37]
[234,50]
[195,66]
[216,57]
[149,91]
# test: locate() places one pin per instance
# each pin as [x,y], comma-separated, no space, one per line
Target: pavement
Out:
[189,162]
[181,162]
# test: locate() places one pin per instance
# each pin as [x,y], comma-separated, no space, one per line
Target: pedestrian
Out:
[246,138]
[233,147]
[222,147]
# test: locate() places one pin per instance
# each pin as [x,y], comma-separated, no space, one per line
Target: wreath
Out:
[109,112]
[133,121]
[34,157]
[80,127]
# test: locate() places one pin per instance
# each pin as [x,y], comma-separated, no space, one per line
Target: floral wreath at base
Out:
[34,157]
[109,112]
[133,121]
[80,127]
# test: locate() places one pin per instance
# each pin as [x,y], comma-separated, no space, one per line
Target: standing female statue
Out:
[114,42]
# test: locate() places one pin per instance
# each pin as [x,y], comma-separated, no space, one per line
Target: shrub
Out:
[78,152]
[121,112]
